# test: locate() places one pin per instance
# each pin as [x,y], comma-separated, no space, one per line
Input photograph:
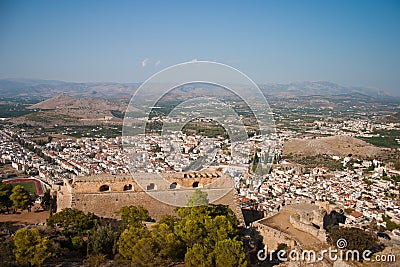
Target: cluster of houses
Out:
[364,191]
[366,197]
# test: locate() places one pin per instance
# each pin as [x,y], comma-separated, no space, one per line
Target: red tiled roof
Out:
[356,214]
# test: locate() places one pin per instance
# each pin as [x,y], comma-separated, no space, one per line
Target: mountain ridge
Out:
[114,90]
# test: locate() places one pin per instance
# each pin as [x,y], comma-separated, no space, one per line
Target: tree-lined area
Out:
[14,198]
[206,235]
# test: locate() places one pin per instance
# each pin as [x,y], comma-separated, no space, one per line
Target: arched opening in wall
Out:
[173,185]
[195,184]
[151,186]
[128,187]
[104,188]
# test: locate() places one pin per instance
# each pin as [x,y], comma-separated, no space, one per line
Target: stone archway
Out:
[151,186]
[128,187]
[104,188]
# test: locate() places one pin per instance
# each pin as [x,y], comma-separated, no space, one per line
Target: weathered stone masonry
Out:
[105,194]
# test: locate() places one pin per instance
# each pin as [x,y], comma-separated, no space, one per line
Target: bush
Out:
[356,238]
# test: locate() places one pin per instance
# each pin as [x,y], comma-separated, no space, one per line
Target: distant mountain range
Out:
[11,88]
[44,89]
[321,88]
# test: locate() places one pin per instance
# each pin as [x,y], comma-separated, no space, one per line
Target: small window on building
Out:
[127,187]
[151,186]
[195,184]
[104,188]
[173,185]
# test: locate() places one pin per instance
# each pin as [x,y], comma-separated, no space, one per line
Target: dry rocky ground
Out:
[25,217]
[332,145]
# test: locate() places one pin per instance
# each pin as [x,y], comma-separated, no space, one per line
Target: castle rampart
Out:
[105,194]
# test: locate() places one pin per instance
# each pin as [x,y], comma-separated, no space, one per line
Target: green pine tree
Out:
[20,198]
[31,247]
[198,198]
[5,193]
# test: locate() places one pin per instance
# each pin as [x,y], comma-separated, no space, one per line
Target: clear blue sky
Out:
[347,42]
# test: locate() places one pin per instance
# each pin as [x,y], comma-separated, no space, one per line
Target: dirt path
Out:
[25,217]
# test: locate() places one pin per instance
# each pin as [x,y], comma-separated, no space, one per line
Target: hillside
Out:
[319,88]
[394,118]
[333,145]
[42,89]
[66,110]
[64,101]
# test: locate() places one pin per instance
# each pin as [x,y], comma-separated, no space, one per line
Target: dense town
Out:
[364,188]
[195,134]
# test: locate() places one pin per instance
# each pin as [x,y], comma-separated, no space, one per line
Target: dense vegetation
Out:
[118,114]
[205,235]
[208,129]
[390,225]
[10,110]
[357,239]
[319,160]
[31,247]
[15,198]
[386,138]
[200,236]
[383,141]
[107,131]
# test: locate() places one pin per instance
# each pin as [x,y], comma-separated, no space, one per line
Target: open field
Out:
[26,217]
[29,186]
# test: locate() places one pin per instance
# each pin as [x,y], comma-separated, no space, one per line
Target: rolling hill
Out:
[66,110]
[64,101]
[332,145]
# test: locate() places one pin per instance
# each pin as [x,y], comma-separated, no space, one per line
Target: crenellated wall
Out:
[105,194]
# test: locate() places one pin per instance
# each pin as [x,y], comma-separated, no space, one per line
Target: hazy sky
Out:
[347,42]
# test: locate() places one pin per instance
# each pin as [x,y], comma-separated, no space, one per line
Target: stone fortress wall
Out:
[105,194]
[302,219]
[311,220]
[272,237]
[303,222]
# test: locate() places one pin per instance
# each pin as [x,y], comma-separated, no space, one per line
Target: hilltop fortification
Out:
[105,194]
